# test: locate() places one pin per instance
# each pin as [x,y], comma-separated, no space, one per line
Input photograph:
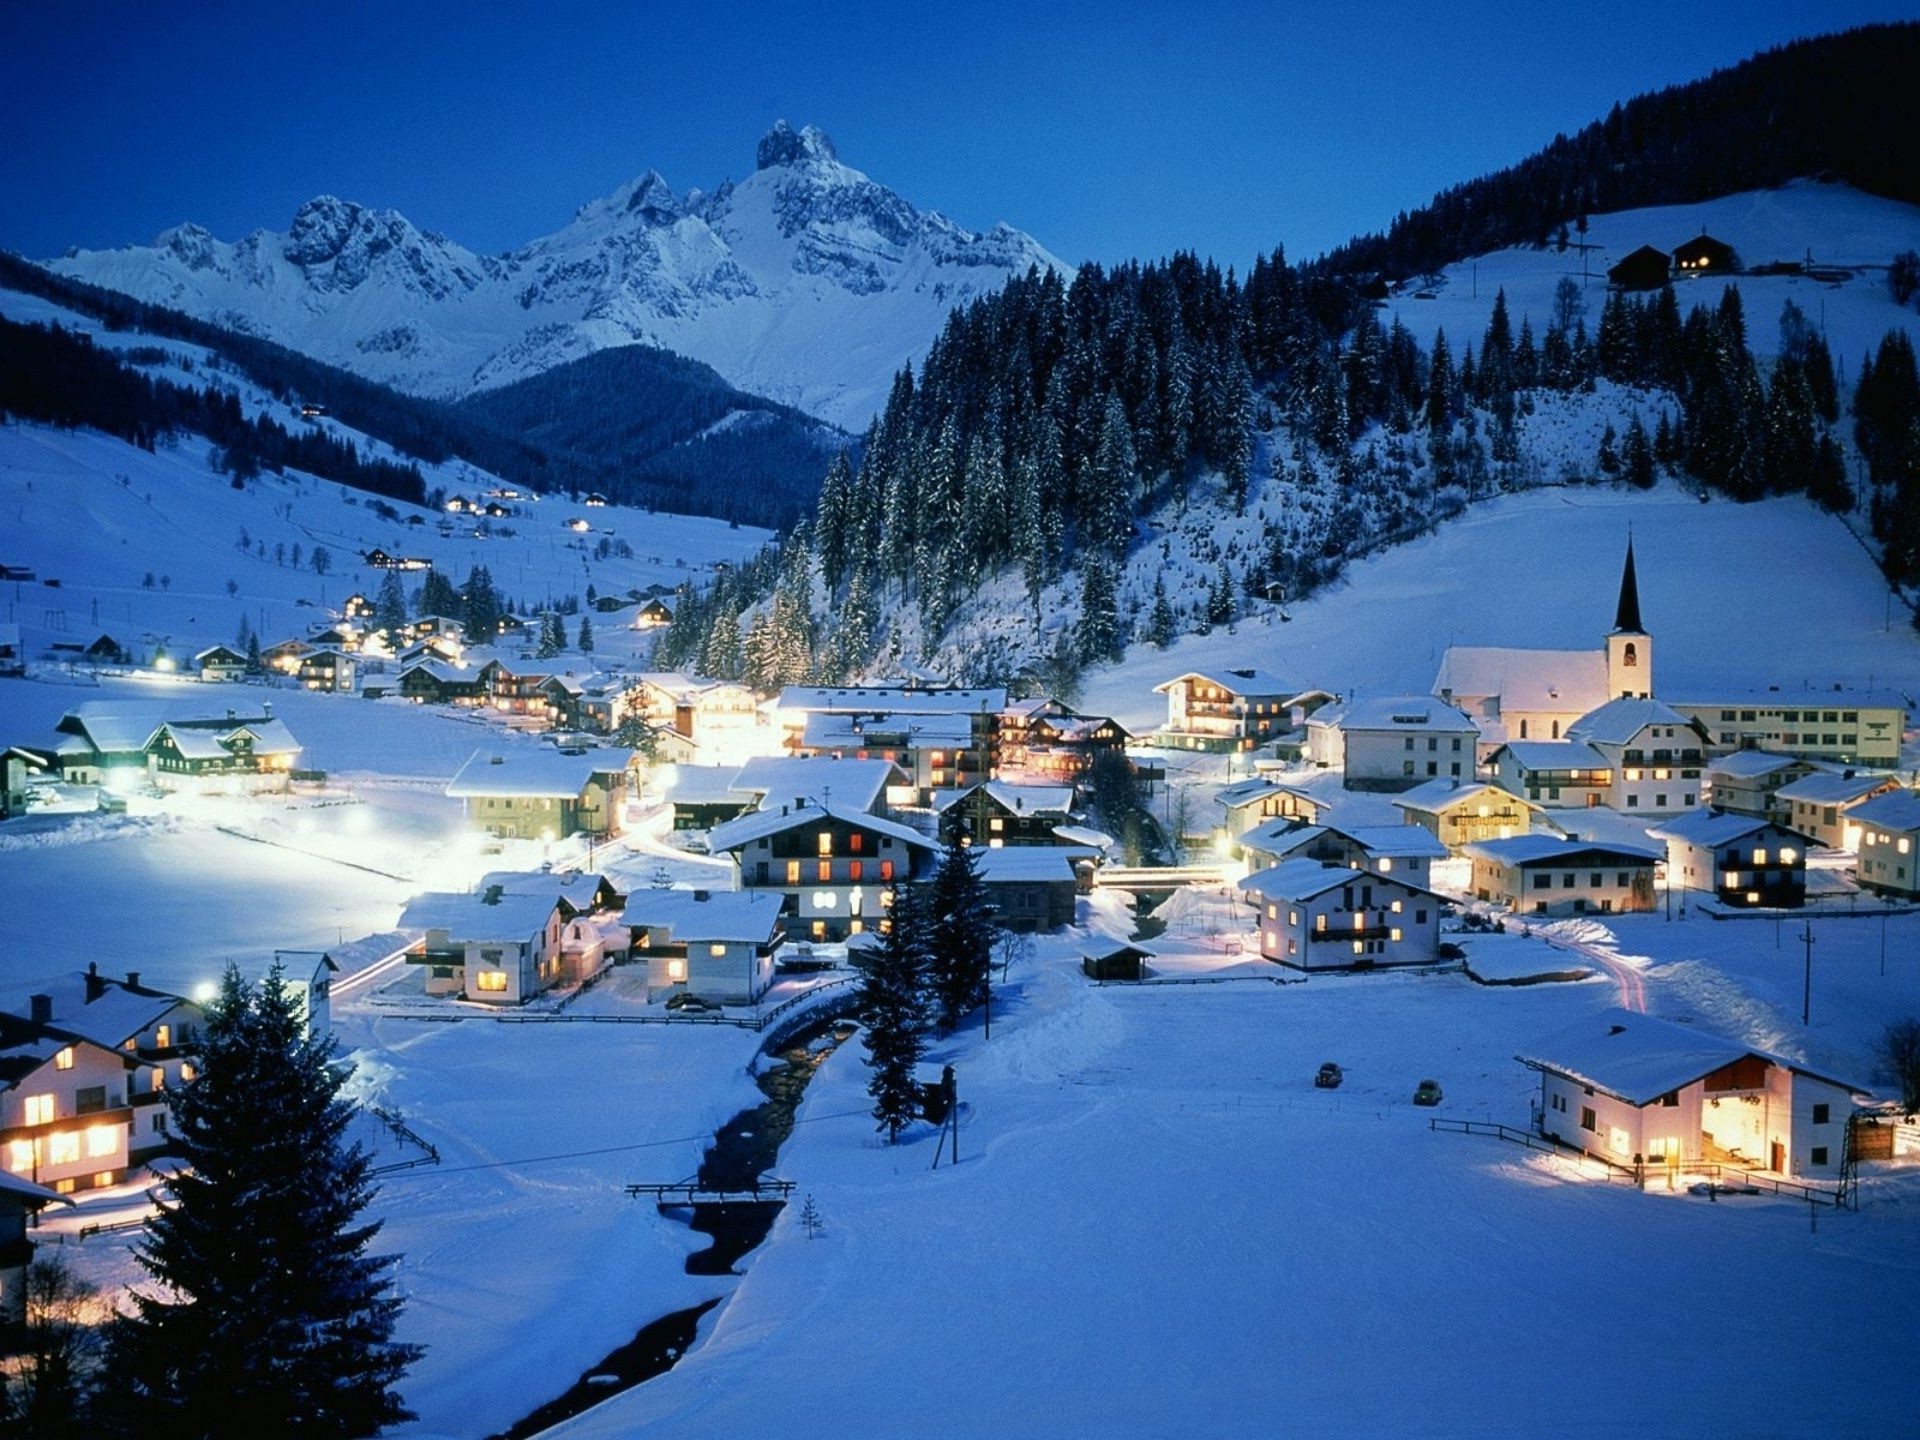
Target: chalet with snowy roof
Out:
[1393,742]
[515,689]
[357,606]
[1655,754]
[284,658]
[1748,782]
[1562,875]
[529,793]
[1315,916]
[938,753]
[850,784]
[655,614]
[1231,709]
[994,813]
[435,682]
[1563,774]
[221,662]
[65,1120]
[239,756]
[1823,804]
[489,946]
[719,720]
[1642,269]
[1042,741]
[1401,852]
[703,796]
[1738,860]
[1635,1089]
[431,647]
[326,670]
[102,738]
[21,1202]
[306,979]
[1889,851]
[13,657]
[1517,694]
[1704,255]
[1032,887]
[103,649]
[832,865]
[719,945]
[591,933]
[1841,727]
[1460,814]
[1248,802]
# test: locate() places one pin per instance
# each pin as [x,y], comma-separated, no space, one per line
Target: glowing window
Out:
[676,971]
[716,950]
[187,1072]
[819,929]
[856,842]
[63,1060]
[493,982]
[1396,932]
[102,1179]
[826,842]
[39,1109]
[886,872]
[1386,865]
[159,1080]
[102,1140]
[163,1036]
[1759,857]
[63,1148]
[793,872]
[854,871]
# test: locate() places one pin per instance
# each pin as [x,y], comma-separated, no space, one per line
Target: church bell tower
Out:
[1629,647]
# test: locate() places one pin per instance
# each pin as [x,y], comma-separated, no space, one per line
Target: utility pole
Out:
[1806,994]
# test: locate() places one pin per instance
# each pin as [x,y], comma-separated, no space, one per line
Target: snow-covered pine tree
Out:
[482,606]
[1098,635]
[272,1317]
[585,642]
[960,934]
[390,605]
[893,982]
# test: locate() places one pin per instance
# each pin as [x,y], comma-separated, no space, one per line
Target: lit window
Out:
[493,982]
[187,1072]
[1273,912]
[825,900]
[64,1059]
[996,824]
[826,842]
[1904,845]
[793,872]
[102,1140]
[676,971]
[1759,858]
[1788,855]
[717,950]
[163,1036]
[886,872]
[39,1109]
[102,1179]
[1397,905]
[66,1185]
[159,1080]
[826,871]
[1396,932]
[20,1156]
[63,1148]
[1293,917]
[854,871]
[819,929]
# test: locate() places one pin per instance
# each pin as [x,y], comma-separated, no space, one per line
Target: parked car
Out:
[1427,1092]
[692,1004]
[1329,1077]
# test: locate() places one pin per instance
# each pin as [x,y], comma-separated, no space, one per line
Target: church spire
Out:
[1626,619]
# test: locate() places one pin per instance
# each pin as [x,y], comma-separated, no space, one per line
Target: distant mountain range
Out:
[807,283]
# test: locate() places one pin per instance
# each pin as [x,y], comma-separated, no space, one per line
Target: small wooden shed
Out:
[1115,960]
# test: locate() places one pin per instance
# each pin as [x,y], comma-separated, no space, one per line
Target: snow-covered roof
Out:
[1835,699]
[1433,796]
[1555,755]
[1280,836]
[1395,712]
[1301,879]
[1014,864]
[1399,842]
[1639,1058]
[784,780]
[1084,837]
[270,737]
[443,672]
[576,887]
[477,916]
[701,915]
[1751,764]
[1237,681]
[529,771]
[21,1188]
[894,699]
[1568,680]
[115,1014]
[224,654]
[1021,799]
[762,823]
[1826,787]
[1243,792]
[1709,828]
[831,729]
[1618,721]
[119,725]
[1895,810]
[1526,850]
[705,785]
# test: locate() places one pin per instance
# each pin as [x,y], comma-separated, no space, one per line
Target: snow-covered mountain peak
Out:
[783,145]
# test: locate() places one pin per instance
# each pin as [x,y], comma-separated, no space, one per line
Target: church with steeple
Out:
[1518,694]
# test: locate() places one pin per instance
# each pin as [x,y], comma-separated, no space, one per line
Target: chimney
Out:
[96,987]
[267,706]
[40,1008]
[133,978]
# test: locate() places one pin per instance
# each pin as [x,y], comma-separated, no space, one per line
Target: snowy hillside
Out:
[1835,227]
[807,282]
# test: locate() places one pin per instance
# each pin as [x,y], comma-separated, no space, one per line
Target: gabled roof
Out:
[1395,712]
[705,785]
[1016,864]
[894,699]
[749,917]
[1280,836]
[579,888]
[784,780]
[1243,792]
[1565,680]
[762,823]
[26,1045]
[1020,799]
[1825,787]
[1896,810]
[841,730]
[118,1011]
[1237,681]
[476,917]
[1618,721]
[1713,828]
[1303,879]
[529,771]
[29,1194]
[1398,842]
[1751,764]
[1525,850]
[223,654]
[1639,1058]
[1434,796]
[1553,755]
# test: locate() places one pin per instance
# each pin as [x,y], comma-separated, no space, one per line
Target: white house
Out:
[718,945]
[1459,814]
[1393,742]
[1825,803]
[1556,875]
[221,662]
[1558,774]
[832,865]
[1330,917]
[65,1121]
[1234,708]
[1655,754]
[1399,852]
[1736,859]
[1889,827]
[854,784]
[1748,782]
[1633,1088]
[492,947]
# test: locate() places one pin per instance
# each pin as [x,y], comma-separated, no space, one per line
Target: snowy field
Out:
[1542,569]
[1160,1227]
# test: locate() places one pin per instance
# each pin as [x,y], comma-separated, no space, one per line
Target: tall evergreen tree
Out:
[893,1010]
[960,933]
[482,606]
[585,642]
[390,604]
[272,1317]
[1099,632]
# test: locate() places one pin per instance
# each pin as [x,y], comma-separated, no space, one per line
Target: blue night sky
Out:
[1107,130]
